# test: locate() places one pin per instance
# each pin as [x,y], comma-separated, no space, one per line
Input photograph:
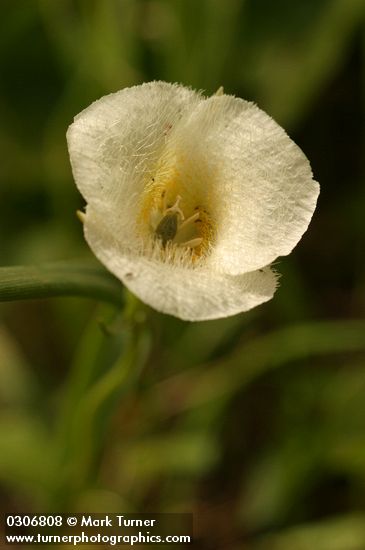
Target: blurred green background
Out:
[255,423]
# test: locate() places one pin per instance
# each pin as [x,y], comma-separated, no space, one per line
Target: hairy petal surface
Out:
[258,181]
[115,143]
[190,294]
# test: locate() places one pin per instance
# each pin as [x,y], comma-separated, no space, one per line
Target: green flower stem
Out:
[96,384]
[66,278]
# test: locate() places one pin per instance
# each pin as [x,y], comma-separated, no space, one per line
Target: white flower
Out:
[189,199]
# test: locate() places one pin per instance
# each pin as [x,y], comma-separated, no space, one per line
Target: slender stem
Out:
[94,389]
[64,278]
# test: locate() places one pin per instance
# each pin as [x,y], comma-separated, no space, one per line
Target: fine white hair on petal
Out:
[258,181]
[194,294]
[115,143]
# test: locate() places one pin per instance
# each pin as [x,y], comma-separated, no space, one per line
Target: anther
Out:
[193,242]
[81,215]
[191,219]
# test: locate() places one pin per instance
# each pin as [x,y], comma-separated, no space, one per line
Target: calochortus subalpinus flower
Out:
[189,198]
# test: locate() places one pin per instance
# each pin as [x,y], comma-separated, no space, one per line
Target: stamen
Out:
[175,208]
[191,219]
[193,242]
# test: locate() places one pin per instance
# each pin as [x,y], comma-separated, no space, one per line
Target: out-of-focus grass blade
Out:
[251,359]
[197,50]
[17,385]
[301,51]
[283,476]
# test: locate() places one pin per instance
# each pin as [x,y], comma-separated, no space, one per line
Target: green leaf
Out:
[66,278]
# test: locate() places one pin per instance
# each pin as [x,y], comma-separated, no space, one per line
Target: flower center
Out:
[177,228]
[172,223]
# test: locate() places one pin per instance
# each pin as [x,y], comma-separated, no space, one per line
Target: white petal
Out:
[256,180]
[115,143]
[190,294]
